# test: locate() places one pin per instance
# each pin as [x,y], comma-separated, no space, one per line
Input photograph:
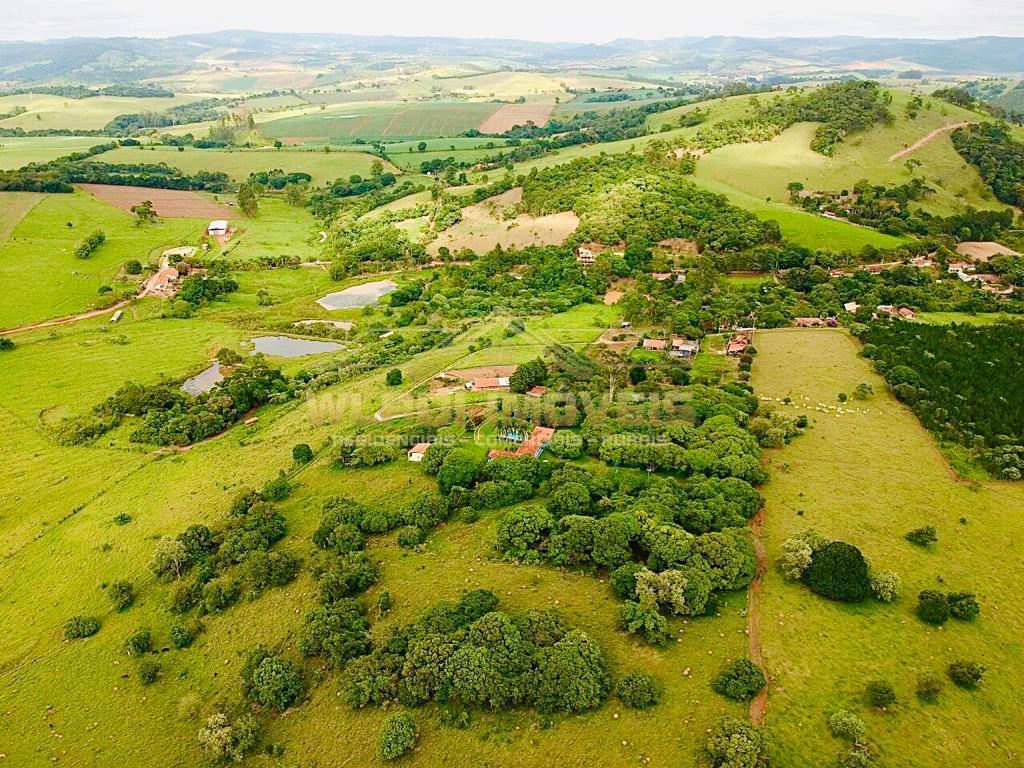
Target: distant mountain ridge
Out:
[132,58]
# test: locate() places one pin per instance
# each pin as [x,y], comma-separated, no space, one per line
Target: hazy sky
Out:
[568,20]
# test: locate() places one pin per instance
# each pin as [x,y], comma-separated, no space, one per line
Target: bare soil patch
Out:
[485,226]
[619,339]
[613,297]
[170,203]
[983,251]
[510,115]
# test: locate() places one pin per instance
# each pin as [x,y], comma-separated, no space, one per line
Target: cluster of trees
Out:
[210,569]
[842,108]
[200,111]
[171,417]
[91,242]
[642,199]
[278,179]
[835,569]
[958,380]
[668,546]
[59,175]
[997,155]
[468,654]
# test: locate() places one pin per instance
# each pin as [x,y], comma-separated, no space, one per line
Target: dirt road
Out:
[926,140]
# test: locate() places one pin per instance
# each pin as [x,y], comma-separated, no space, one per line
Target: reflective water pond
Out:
[286,346]
[203,381]
[358,295]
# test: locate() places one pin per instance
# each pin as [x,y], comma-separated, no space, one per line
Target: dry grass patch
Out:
[170,203]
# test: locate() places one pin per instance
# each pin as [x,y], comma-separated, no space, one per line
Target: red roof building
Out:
[532,446]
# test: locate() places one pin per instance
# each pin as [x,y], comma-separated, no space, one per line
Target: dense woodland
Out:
[998,156]
[963,383]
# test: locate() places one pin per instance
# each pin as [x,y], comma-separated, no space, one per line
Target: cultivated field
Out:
[171,203]
[868,478]
[395,121]
[13,208]
[511,115]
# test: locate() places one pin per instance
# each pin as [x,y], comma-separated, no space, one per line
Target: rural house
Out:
[533,445]
[487,384]
[684,348]
[808,322]
[418,451]
[655,345]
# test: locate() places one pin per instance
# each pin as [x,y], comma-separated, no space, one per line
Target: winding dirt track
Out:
[926,140]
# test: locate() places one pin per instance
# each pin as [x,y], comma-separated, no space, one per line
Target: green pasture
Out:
[19,151]
[967,318]
[867,478]
[39,272]
[238,164]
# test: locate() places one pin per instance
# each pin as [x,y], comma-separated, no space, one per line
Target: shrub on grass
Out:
[149,672]
[80,626]
[880,694]
[182,636]
[139,642]
[838,571]
[225,740]
[963,605]
[886,585]
[844,724]
[736,743]
[397,736]
[394,377]
[798,551]
[410,536]
[857,756]
[623,580]
[932,607]
[966,674]
[276,489]
[270,680]
[638,690]
[636,618]
[922,536]
[121,594]
[6,344]
[928,688]
[739,681]
[302,453]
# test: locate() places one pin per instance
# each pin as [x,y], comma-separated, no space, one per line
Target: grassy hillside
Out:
[68,546]
[837,480]
[43,111]
[764,170]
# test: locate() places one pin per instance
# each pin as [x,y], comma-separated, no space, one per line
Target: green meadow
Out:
[867,478]
[18,151]
[38,264]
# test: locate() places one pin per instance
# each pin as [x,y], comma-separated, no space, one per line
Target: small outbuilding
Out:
[418,451]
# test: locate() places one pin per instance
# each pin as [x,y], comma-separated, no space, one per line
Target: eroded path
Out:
[926,140]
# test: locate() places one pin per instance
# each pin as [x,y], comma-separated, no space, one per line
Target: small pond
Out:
[286,346]
[203,381]
[358,295]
